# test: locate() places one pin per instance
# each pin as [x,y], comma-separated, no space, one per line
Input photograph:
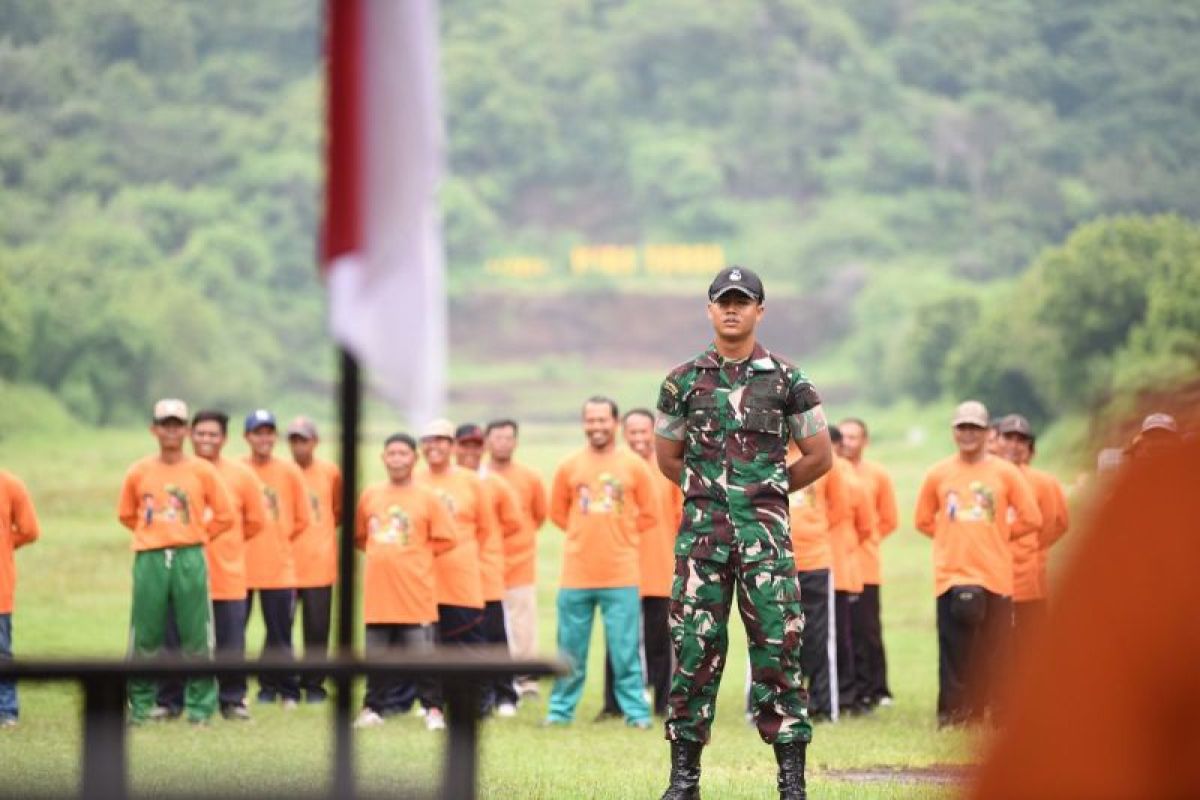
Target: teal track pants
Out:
[180,575]
[620,610]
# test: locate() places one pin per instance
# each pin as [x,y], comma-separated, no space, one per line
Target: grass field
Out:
[73,599]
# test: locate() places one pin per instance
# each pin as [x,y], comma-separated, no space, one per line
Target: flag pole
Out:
[349,411]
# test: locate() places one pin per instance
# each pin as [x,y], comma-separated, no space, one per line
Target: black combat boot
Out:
[685,771]
[790,758]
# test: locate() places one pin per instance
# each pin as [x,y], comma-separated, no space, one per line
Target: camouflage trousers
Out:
[769,601]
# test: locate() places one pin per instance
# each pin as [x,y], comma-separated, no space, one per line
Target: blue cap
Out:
[258,418]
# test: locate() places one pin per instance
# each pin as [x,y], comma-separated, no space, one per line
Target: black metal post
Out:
[103,738]
[350,410]
[462,726]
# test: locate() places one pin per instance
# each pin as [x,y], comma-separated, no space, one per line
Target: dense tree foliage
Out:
[160,170]
[1113,311]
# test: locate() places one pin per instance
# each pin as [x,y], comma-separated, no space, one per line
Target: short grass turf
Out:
[73,599]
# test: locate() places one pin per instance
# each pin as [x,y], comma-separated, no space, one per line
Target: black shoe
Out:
[790,758]
[685,771]
[605,715]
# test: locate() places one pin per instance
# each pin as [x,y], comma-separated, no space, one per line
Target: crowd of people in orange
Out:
[449,542]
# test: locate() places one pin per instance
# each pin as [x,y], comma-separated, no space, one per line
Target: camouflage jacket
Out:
[735,419]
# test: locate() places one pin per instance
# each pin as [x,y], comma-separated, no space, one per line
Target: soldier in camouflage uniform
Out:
[724,420]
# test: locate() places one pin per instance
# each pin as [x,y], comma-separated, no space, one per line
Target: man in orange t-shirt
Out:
[459,576]
[870,658]
[816,511]
[657,567]
[401,528]
[964,506]
[315,551]
[173,503]
[18,527]
[270,563]
[520,552]
[848,537]
[1030,553]
[604,499]
[468,454]
[226,556]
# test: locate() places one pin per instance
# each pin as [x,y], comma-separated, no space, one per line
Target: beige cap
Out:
[170,408]
[438,429]
[303,427]
[971,412]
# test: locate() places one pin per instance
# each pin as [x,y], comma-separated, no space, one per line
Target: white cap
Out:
[1160,422]
[971,412]
[170,408]
[438,429]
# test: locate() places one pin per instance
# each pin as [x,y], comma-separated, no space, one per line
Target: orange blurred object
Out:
[1105,699]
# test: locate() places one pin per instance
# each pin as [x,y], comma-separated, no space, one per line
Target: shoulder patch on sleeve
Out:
[671,393]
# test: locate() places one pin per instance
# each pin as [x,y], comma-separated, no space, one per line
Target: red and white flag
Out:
[381,247]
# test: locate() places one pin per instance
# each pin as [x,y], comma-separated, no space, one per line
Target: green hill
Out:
[160,173]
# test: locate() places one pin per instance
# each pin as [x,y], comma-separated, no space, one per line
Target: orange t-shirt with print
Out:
[506,511]
[173,505]
[854,528]
[1029,552]
[520,551]
[457,571]
[882,496]
[401,529]
[315,551]
[964,507]
[270,563]
[656,547]
[18,527]
[603,502]
[227,551]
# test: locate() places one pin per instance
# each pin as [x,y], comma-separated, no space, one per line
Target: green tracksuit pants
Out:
[180,575]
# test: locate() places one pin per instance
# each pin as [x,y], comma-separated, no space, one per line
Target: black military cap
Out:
[736,279]
[1015,423]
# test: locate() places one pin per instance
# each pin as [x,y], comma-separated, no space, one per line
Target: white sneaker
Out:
[289,704]
[434,721]
[886,701]
[368,719]
[506,710]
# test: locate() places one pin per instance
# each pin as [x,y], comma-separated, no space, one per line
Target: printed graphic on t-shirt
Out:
[174,510]
[271,498]
[394,528]
[448,500]
[610,497]
[177,505]
[981,508]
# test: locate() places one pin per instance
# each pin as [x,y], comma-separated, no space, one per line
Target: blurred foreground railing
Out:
[105,774]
